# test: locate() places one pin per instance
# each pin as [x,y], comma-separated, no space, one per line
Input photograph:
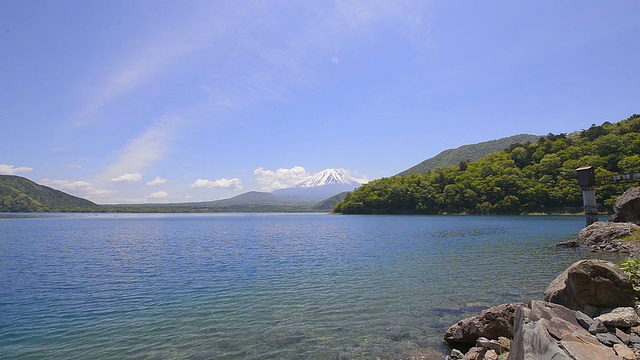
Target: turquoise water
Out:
[262,286]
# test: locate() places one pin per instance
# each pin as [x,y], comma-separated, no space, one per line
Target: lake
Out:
[263,286]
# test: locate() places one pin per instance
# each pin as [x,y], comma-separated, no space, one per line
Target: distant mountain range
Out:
[320,192]
[18,194]
[473,152]
[320,186]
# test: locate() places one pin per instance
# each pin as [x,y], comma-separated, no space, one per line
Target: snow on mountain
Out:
[321,186]
[330,177]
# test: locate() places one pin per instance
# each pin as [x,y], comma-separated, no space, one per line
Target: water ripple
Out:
[262,286]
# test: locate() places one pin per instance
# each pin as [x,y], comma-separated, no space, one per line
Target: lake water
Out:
[262,286]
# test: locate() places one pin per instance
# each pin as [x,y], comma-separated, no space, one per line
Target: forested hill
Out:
[473,152]
[18,194]
[535,177]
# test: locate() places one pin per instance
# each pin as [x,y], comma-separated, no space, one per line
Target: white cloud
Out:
[67,185]
[147,149]
[79,188]
[74,166]
[150,60]
[223,183]
[158,195]
[12,170]
[102,192]
[157,181]
[281,178]
[78,185]
[128,178]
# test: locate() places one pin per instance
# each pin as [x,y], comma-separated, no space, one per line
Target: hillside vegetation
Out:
[473,152]
[21,195]
[18,194]
[535,177]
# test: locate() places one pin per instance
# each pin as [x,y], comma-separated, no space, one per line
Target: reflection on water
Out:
[261,286]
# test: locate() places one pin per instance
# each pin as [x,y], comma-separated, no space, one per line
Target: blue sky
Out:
[173,101]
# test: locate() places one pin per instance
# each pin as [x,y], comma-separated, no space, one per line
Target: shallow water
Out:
[262,286]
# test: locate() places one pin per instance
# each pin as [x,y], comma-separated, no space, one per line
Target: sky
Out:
[131,101]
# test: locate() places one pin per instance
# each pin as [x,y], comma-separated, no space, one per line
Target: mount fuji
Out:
[321,186]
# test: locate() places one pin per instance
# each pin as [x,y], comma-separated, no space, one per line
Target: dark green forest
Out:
[524,178]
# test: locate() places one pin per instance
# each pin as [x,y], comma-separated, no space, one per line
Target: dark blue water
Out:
[262,286]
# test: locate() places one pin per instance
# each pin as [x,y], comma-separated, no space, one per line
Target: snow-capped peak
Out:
[330,177]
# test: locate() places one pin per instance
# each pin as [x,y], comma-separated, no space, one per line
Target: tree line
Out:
[524,178]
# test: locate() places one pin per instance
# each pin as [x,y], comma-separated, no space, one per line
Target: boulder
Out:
[604,232]
[491,323]
[589,285]
[620,317]
[627,207]
[551,331]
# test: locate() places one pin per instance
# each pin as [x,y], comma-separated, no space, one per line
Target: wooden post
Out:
[587,182]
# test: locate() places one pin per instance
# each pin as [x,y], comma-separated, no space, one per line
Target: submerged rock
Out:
[589,285]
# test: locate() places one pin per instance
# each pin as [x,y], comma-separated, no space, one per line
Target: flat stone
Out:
[551,331]
[490,355]
[475,353]
[608,339]
[585,346]
[634,338]
[584,320]
[624,352]
[626,338]
[597,327]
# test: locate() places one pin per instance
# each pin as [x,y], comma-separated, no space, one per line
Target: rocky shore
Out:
[590,311]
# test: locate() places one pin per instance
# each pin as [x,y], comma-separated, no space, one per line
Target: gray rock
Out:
[608,339]
[620,317]
[491,355]
[584,320]
[601,233]
[456,355]
[626,338]
[491,323]
[627,207]
[551,331]
[634,338]
[624,352]
[475,353]
[591,283]
[494,345]
[597,327]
